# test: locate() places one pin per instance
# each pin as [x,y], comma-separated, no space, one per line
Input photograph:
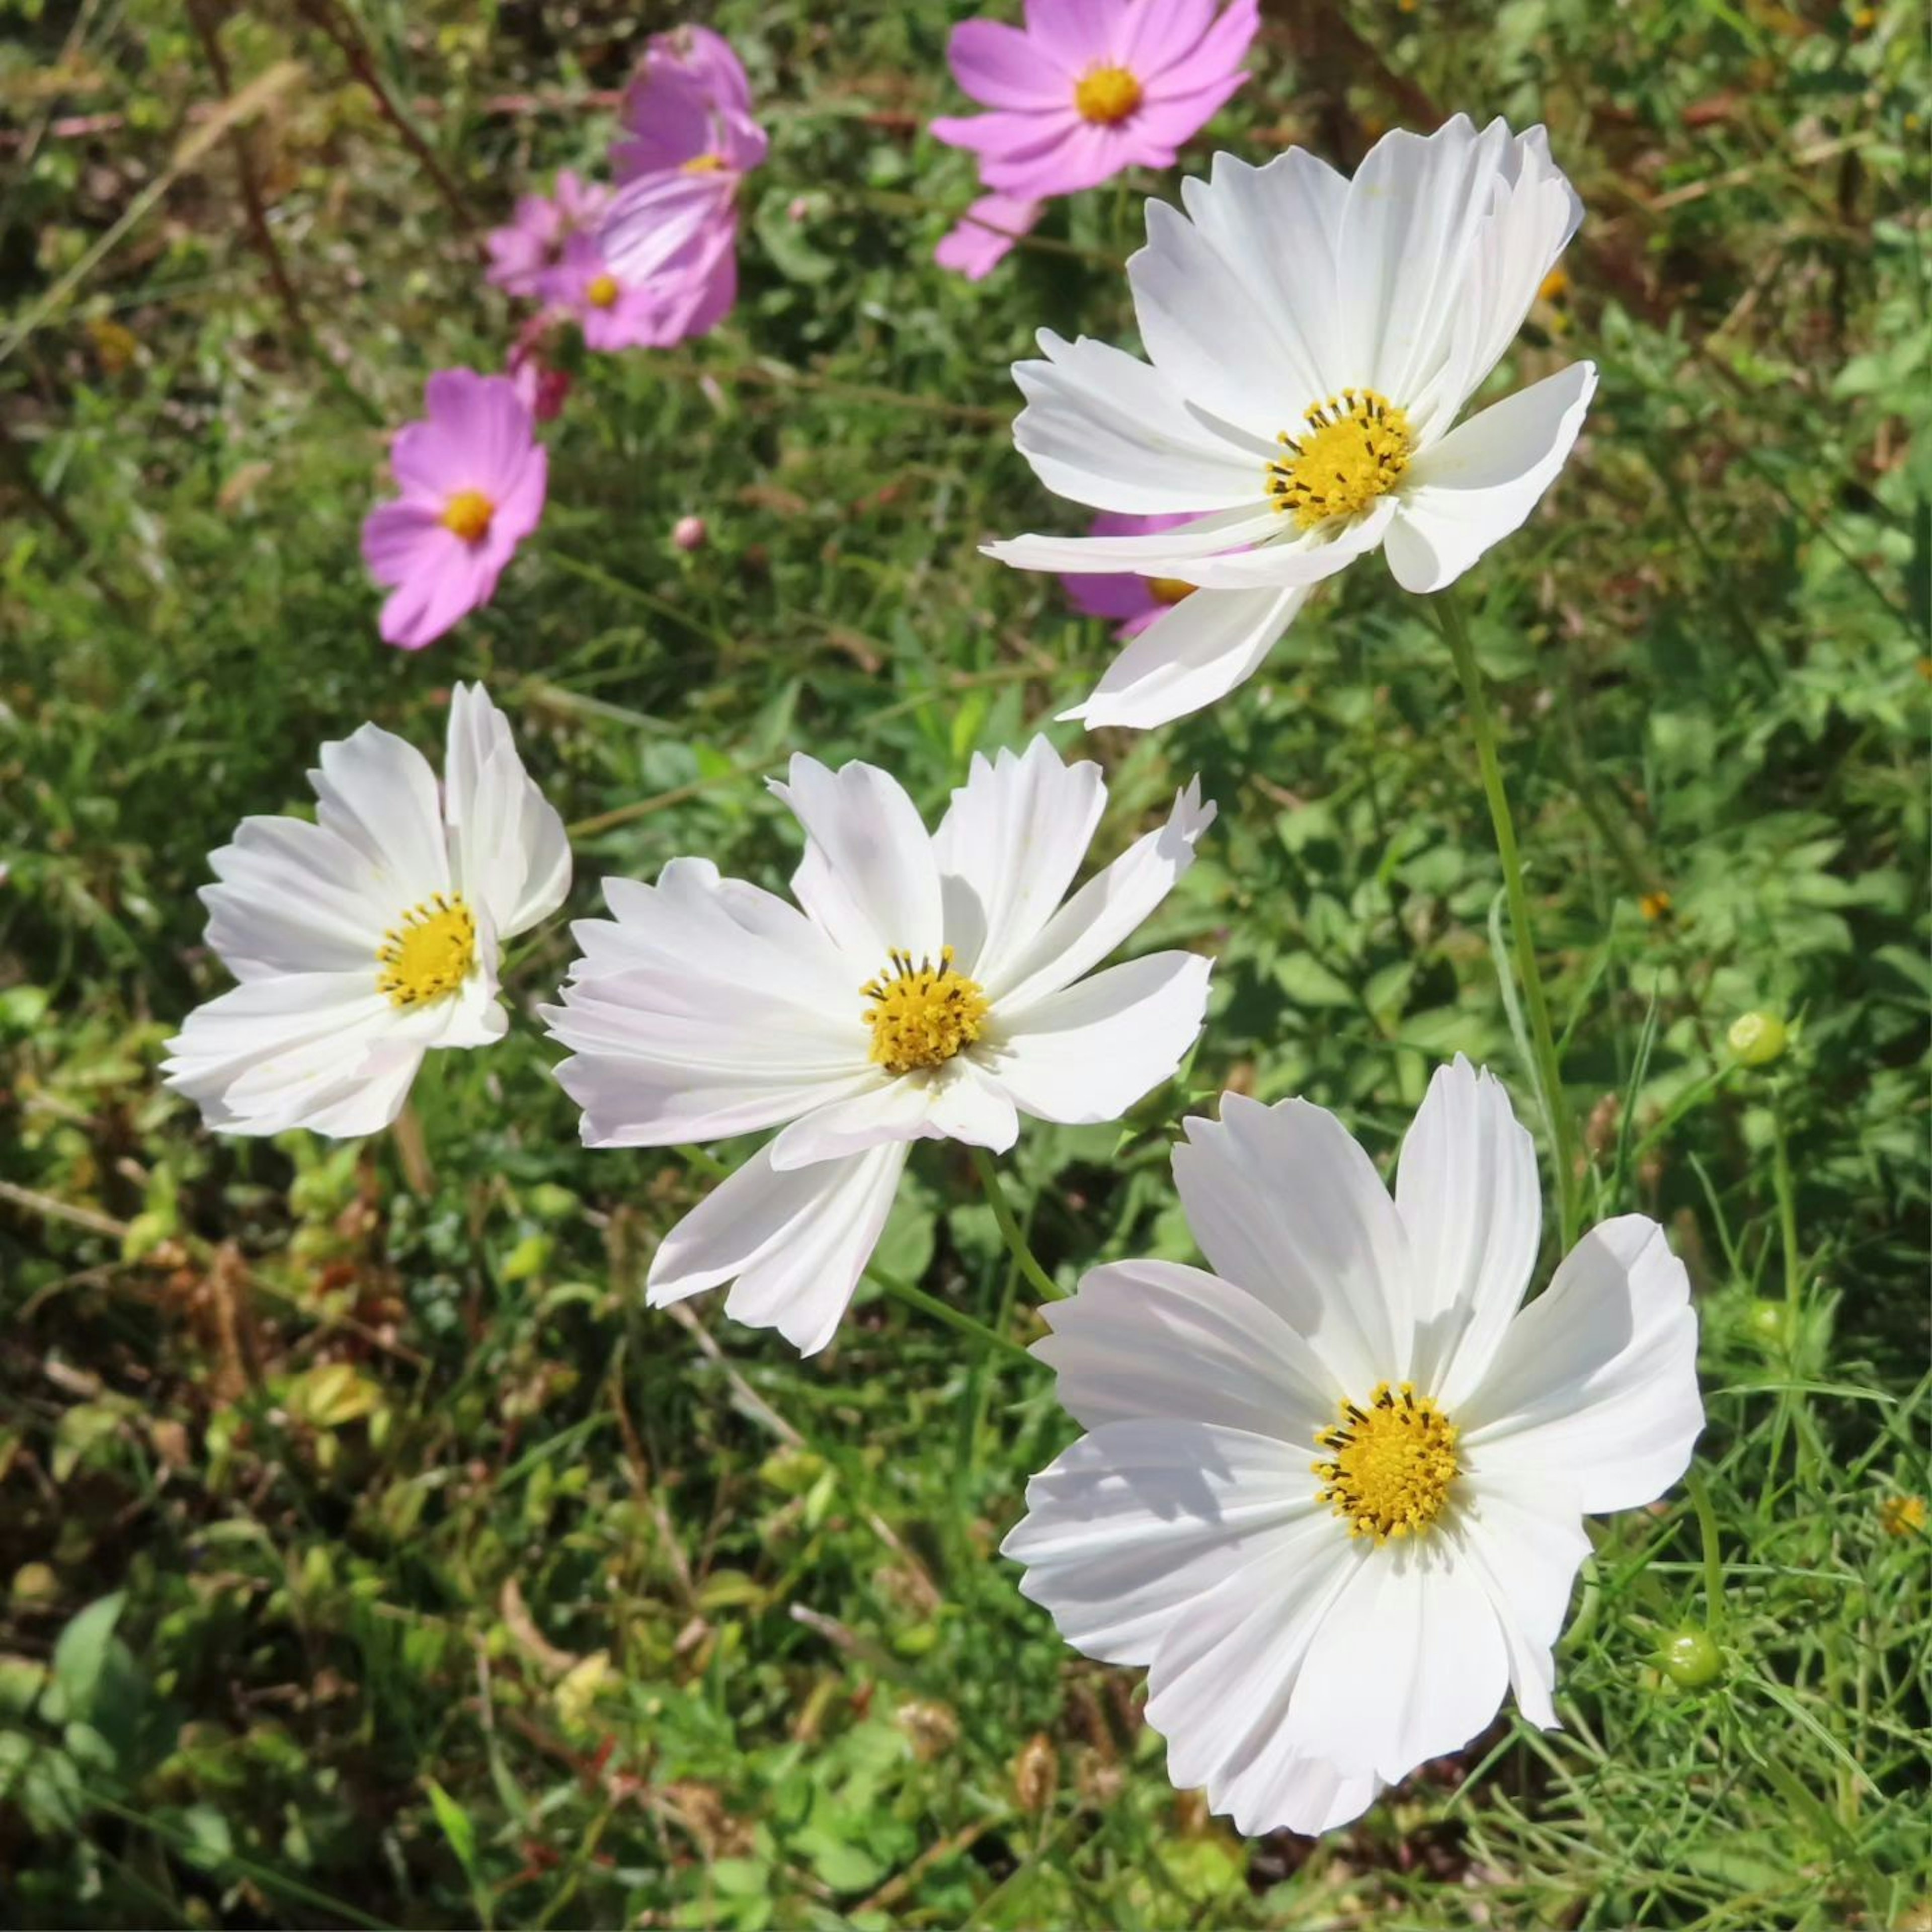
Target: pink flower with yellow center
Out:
[1088,87]
[473,481]
[688,140]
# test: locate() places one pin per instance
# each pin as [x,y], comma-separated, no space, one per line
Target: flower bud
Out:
[1689,1658]
[688,533]
[1757,1038]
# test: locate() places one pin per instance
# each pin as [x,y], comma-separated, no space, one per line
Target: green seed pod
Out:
[1690,1659]
[1757,1038]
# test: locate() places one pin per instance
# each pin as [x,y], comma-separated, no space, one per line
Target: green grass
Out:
[372,1555]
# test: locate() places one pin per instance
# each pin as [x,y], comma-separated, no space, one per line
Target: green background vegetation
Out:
[368,1553]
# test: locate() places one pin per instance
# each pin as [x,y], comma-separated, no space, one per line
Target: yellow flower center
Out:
[1355,449]
[468,514]
[703,164]
[428,953]
[603,292]
[1168,589]
[1106,95]
[922,1015]
[1391,1463]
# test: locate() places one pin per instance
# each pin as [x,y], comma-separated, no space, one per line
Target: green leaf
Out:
[457,1827]
[81,1652]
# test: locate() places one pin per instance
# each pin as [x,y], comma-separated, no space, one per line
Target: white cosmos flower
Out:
[924,986]
[1313,340]
[1332,1495]
[367,938]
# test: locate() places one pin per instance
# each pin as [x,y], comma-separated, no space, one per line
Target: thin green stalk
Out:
[1009,1227]
[1522,937]
[1714,1561]
[941,1311]
[1787,1225]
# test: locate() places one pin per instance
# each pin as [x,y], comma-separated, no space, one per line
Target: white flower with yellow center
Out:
[1332,1495]
[924,986]
[1312,340]
[365,938]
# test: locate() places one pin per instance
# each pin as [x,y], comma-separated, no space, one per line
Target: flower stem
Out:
[1549,1073]
[1010,1231]
[941,1311]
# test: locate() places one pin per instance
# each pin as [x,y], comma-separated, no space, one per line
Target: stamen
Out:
[1105,95]
[603,292]
[468,513]
[922,1015]
[429,952]
[703,164]
[1168,589]
[1391,1466]
[1355,449]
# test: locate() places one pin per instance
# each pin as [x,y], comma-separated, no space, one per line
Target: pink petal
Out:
[1171,121]
[985,235]
[1078,34]
[1216,58]
[999,67]
[435,594]
[400,539]
[1158,31]
[1005,136]
[1116,597]
[1084,157]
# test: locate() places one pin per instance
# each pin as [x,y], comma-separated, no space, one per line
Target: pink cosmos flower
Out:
[525,255]
[1090,87]
[689,140]
[1132,602]
[472,479]
[984,235]
[614,313]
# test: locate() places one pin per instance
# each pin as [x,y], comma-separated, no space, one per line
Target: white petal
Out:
[510,852]
[1285,1205]
[1102,428]
[1130,1527]
[1409,1663]
[1086,1053]
[1191,654]
[1466,1189]
[1298,561]
[1480,482]
[954,1101]
[1222,1683]
[705,1008]
[1278,1791]
[867,877]
[1150,1339]
[1155,553]
[1534,212]
[377,793]
[295,898]
[319,1050]
[1596,1381]
[1103,912]
[1416,208]
[1208,331]
[1279,227]
[794,1244]
[1008,848]
[1525,1543]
